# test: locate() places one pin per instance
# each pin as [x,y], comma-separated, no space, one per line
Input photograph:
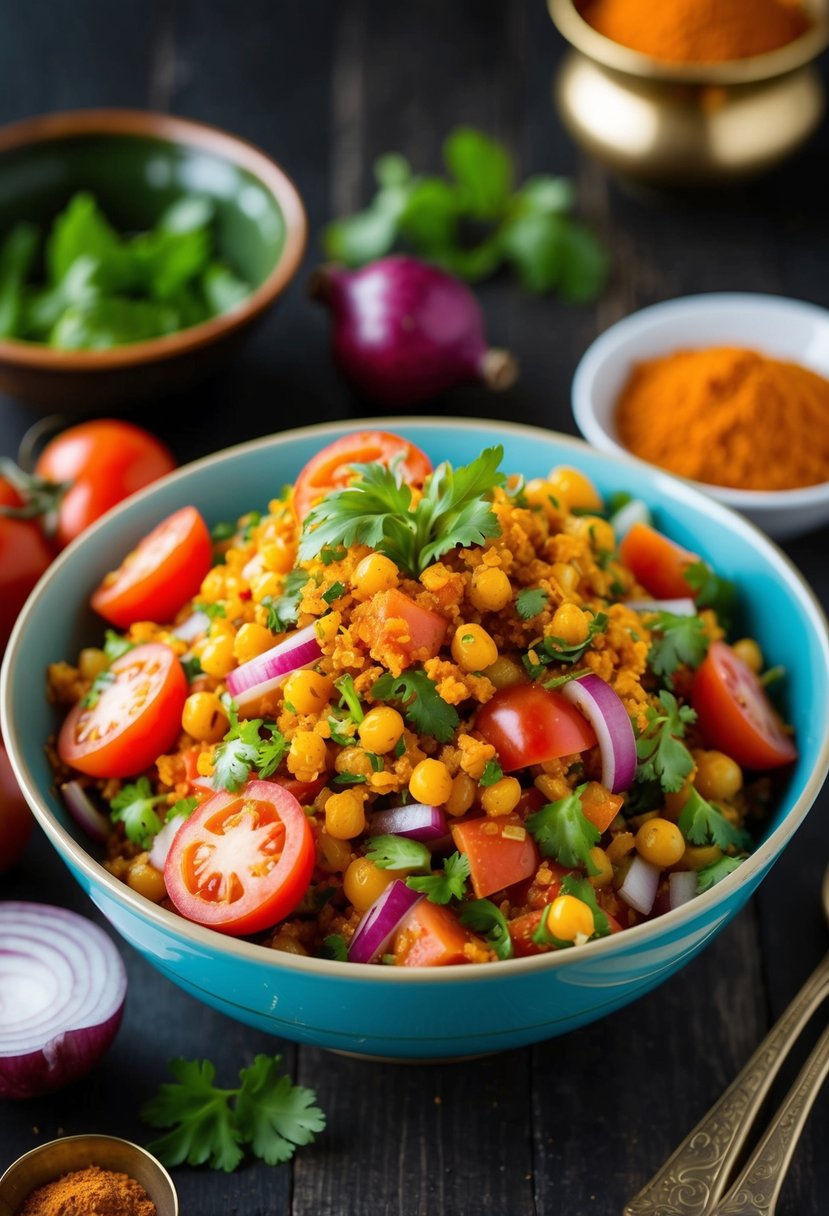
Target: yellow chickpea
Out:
[431,783]
[462,795]
[472,648]
[751,654]
[381,729]
[505,672]
[718,776]
[491,589]
[264,586]
[569,918]
[307,690]
[213,585]
[567,577]
[364,882]
[333,855]
[146,879]
[574,488]
[595,530]
[345,817]
[204,718]
[217,657]
[91,662]
[251,641]
[373,574]
[502,796]
[660,842]
[602,864]
[570,624]
[327,627]
[542,495]
[279,556]
[307,756]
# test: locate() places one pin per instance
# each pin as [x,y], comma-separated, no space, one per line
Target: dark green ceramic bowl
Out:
[136,164]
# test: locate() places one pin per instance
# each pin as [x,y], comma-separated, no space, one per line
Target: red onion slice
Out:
[415,821]
[85,812]
[163,840]
[377,927]
[681,607]
[62,989]
[614,730]
[267,671]
[682,887]
[640,885]
[191,627]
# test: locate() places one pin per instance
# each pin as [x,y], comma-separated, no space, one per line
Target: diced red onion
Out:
[267,671]
[415,821]
[84,811]
[682,887]
[378,926]
[190,628]
[163,840]
[640,885]
[607,715]
[63,985]
[633,512]
[680,607]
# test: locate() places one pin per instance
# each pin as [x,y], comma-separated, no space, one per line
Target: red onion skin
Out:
[64,1059]
[405,331]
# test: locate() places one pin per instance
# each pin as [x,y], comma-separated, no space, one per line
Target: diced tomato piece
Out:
[431,936]
[599,805]
[656,562]
[500,851]
[521,930]
[392,622]
[532,894]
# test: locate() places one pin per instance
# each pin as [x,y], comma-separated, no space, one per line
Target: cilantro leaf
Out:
[349,698]
[453,510]
[273,1114]
[662,755]
[181,809]
[709,876]
[483,916]
[702,823]
[134,806]
[349,779]
[334,947]
[338,733]
[492,773]
[283,609]
[271,751]
[530,602]
[398,853]
[679,639]
[451,884]
[556,650]
[712,591]
[192,667]
[562,830]
[115,645]
[237,754]
[334,592]
[423,706]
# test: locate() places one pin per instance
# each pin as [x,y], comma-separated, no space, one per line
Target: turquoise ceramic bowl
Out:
[452,1011]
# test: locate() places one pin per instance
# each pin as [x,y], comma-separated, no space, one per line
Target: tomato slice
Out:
[657,563]
[163,572]
[241,862]
[135,719]
[528,724]
[330,469]
[734,713]
[497,859]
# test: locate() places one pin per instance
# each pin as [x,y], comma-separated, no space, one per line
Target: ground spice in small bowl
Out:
[91,1191]
[698,31]
[728,417]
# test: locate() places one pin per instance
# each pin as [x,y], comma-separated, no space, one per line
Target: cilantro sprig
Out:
[562,830]
[390,852]
[376,510]
[677,640]
[243,749]
[531,601]
[134,806]
[443,887]
[208,1124]
[709,876]
[702,823]
[661,754]
[283,609]
[483,916]
[423,706]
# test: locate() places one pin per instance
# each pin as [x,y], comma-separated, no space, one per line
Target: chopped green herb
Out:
[556,650]
[252,521]
[661,754]
[423,706]
[562,830]
[115,645]
[211,611]
[702,823]
[492,773]
[679,640]
[530,602]
[134,806]
[349,779]
[338,732]
[709,876]
[398,853]
[332,553]
[182,808]
[400,748]
[376,762]
[283,609]
[349,698]
[712,591]
[557,681]
[334,592]
[271,751]
[334,947]
[223,530]
[451,884]
[192,667]
[483,916]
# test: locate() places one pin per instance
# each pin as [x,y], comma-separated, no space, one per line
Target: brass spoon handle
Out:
[695,1176]
[757,1186]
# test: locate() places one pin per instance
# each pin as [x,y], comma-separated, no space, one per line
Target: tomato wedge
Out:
[528,724]
[497,859]
[431,936]
[163,572]
[241,862]
[657,563]
[734,713]
[134,720]
[330,469]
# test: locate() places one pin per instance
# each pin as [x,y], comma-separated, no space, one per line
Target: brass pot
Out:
[688,123]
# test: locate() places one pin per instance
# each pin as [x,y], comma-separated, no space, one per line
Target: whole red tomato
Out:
[24,555]
[15,817]
[103,462]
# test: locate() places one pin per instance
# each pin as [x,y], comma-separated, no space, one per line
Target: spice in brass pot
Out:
[728,417]
[91,1191]
[698,31]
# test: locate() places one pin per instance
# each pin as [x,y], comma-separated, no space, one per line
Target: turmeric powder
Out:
[90,1191]
[728,417]
[698,31]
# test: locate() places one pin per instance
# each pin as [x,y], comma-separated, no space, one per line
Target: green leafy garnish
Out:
[530,228]
[134,806]
[338,734]
[192,667]
[213,611]
[702,823]
[530,602]
[375,509]
[181,809]
[283,609]
[712,591]
[349,698]
[349,779]
[17,255]
[451,884]
[334,947]
[492,773]
[661,754]
[423,706]
[556,650]
[101,682]
[678,640]
[562,830]
[709,876]
[115,645]
[398,853]
[271,751]
[571,884]
[243,749]
[483,916]
[223,530]
[266,1111]
[334,592]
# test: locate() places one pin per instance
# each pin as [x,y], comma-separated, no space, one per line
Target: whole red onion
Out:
[405,331]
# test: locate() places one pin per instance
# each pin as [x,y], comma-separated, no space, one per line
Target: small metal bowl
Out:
[58,1157]
[688,124]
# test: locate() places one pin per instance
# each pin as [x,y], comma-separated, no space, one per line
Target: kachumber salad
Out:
[418,716]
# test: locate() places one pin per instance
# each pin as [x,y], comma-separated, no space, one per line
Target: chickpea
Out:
[490,590]
[472,648]
[345,817]
[204,717]
[373,574]
[381,729]
[718,776]
[307,690]
[431,783]
[364,882]
[660,842]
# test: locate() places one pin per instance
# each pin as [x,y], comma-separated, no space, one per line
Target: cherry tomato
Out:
[104,461]
[528,724]
[241,862]
[734,713]
[15,817]
[24,556]
[134,720]
[657,563]
[330,469]
[163,572]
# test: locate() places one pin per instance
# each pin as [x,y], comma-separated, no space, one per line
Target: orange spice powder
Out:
[90,1191]
[698,31]
[728,417]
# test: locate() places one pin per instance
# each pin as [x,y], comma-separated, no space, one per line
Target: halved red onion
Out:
[640,885]
[191,626]
[267,671]
[682,887]
[63,985]
[85,811]
[633,512]
[163,840]
[607,715]
[378,925]
[680,607]
[416,821]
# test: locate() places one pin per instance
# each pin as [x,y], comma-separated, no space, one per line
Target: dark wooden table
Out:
[574,1125]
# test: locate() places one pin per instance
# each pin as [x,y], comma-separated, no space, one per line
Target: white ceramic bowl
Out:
[781,328]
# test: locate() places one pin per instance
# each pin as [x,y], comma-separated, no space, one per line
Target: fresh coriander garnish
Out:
[223,530]
[101,682]
[702,823]
[334,592]
[334,947]
[134,806]
[398,853]
[709,876]
[483,916]
[678,640]
[712,591]
[211,611]
[562,830]
[349,779]
[283,609]
[192,667]
[181,809]
[338,734]
[556,650]
[662,756]
[451,884]
[349,698]
[492,773]
[423,706]
[115,645]
[530,602]
[243,749]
